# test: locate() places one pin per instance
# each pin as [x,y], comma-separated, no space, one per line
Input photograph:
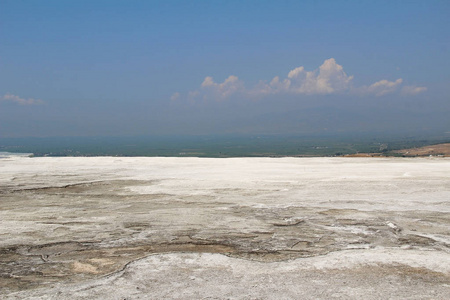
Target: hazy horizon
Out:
[164,68]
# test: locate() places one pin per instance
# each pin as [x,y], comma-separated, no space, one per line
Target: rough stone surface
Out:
[241,228]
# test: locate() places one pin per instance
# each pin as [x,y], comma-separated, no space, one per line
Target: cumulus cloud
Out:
[175,96]
[383,87]
[329,78]
[22,101]
[220,91]
[413,90]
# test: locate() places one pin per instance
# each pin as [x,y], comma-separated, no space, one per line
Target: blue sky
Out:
[213,67]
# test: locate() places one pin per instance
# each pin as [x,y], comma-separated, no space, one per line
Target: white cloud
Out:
[383,87]
[329,78]
[294,73]
[175,96]
[19,100]
[220,91]
[413,90]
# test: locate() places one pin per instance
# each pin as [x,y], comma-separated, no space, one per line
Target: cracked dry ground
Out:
[71,228]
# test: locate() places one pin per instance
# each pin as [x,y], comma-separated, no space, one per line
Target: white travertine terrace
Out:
[238,228]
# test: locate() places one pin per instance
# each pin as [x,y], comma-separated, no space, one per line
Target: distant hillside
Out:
[439,149]
[433,150]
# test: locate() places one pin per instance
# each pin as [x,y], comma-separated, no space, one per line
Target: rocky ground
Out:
[241,228]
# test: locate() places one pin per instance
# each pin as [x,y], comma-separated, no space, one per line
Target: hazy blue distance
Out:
[111,67]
